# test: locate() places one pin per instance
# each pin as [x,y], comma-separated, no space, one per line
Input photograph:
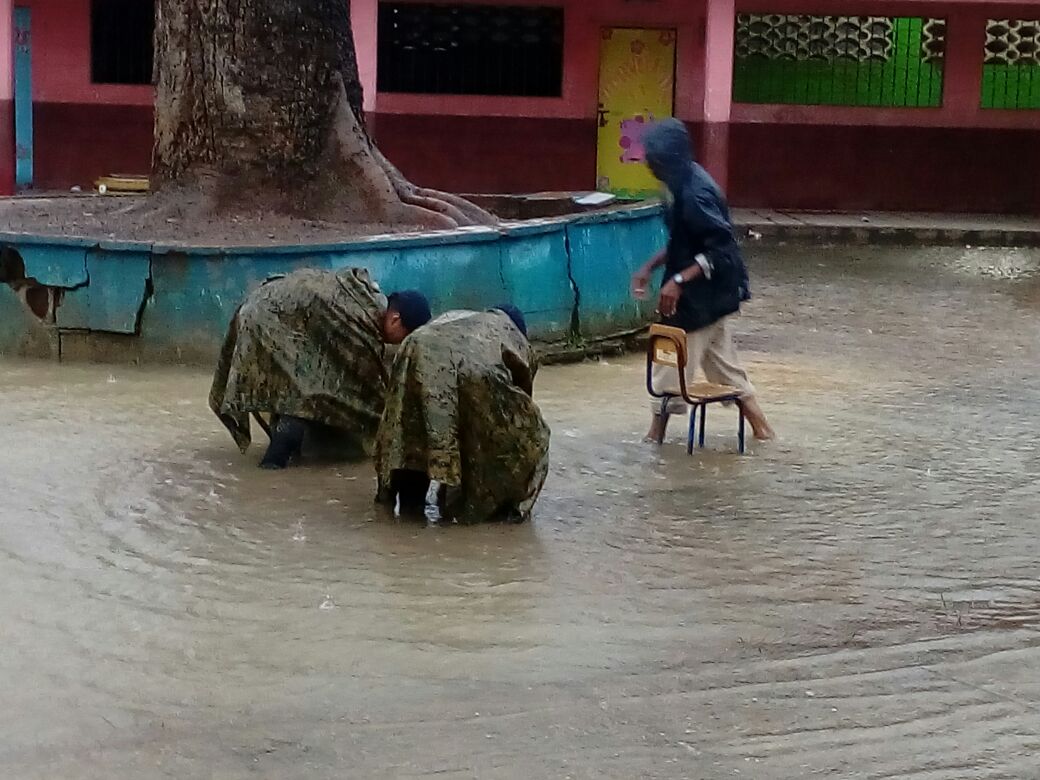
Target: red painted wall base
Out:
[711,140]
[839,168]
[490,154]
[74,143]
[6,147]
[782,166]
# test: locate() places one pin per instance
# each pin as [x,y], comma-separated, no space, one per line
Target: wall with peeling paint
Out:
[166,303]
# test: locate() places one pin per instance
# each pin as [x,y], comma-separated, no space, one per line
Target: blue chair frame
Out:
[698,397]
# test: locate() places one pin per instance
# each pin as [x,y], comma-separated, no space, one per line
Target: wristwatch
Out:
[678,279]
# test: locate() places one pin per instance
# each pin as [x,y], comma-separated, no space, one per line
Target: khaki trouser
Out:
[711,349]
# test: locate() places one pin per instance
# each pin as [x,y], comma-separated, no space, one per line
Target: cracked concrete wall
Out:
[154,303]
[22,332]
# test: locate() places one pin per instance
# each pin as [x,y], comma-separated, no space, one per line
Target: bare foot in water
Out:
[658,427]
[760,426]
[763,434]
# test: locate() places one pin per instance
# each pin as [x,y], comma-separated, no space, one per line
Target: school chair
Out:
[667,347]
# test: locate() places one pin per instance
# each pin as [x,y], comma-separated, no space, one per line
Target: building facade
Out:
[923,105]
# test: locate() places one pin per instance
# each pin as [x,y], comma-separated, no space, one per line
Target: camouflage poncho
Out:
[459,409]
[308,345]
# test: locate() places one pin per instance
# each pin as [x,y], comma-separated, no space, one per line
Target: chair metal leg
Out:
[740,431]
[664,415]
[704,419]
[692,432]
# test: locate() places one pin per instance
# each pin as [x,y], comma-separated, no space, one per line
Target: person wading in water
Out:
[308,349]
[705,279]
[460,412]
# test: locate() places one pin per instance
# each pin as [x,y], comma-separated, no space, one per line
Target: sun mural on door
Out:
[636,88]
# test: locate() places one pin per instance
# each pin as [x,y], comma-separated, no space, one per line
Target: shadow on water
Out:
[171,610]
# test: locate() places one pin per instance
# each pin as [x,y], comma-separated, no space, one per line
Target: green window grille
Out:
[1011,73]
[880,61]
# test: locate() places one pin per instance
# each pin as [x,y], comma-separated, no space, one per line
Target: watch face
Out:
[677,279]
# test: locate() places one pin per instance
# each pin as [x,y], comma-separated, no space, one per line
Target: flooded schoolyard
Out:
[859,599]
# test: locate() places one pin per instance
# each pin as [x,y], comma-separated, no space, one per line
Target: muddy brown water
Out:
[859,599]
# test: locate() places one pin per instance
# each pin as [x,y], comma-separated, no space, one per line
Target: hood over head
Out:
[667,146]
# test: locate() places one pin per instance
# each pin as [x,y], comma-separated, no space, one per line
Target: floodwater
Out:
[859,599]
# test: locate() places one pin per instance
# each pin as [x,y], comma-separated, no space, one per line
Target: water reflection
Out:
[168,609]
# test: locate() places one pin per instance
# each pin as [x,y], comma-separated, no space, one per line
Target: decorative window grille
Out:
[470,49]
[1011,73]
[121,41]
[879,61]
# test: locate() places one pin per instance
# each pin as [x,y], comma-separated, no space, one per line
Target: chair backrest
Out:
[666,347]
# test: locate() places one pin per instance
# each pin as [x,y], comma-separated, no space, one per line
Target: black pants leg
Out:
[411,488]
[286,442]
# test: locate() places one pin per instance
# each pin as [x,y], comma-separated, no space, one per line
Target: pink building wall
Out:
[6,98]
[957,157]
[530,144]
[364,20]
[719,30]
[584,20]
[82,130]
[85,130]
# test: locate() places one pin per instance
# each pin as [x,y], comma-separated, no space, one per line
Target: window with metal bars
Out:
[1011,73]
[440,49]
[121,41]
[878,61]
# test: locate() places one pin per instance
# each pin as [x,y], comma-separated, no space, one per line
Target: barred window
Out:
[470,49]
[121,41]
[1011,73]
[839,60]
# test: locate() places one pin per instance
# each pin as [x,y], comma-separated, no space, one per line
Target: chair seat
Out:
[666,347]
[707,392]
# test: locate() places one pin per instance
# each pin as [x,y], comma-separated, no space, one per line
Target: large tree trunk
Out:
[259,107]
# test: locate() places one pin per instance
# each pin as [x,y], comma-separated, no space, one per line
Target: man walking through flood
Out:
[460,412]
[705,279]
[308,350]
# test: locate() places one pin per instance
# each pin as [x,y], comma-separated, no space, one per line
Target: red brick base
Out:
[6,147]
[74,143]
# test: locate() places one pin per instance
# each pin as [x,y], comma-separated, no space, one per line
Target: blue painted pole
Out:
[23,104]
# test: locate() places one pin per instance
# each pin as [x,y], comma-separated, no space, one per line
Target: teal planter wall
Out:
[159,302]
[604,255]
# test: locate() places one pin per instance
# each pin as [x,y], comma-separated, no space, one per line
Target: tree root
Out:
[458,210]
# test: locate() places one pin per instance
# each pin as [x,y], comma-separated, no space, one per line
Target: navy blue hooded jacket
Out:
[700,231]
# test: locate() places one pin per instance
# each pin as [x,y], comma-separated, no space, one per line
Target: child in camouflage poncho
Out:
[459,412]
[308,350]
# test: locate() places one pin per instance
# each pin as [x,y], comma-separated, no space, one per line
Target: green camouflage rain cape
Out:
[308,345]
[459,409]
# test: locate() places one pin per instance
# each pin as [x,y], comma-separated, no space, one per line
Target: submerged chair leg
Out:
[740,430]
[692,432]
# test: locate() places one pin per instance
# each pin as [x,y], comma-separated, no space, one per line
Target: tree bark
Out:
[259,107]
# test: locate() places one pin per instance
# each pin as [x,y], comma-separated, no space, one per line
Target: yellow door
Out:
[636,87]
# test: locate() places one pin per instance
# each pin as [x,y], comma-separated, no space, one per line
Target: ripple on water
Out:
[662,611]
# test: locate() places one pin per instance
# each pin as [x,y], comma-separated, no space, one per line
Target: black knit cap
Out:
[412,306]
[515,315]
